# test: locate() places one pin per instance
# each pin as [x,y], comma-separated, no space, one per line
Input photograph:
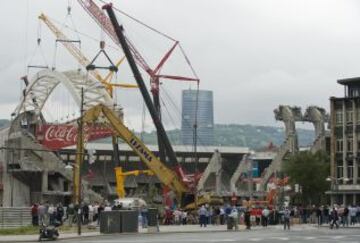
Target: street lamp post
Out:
[79,161]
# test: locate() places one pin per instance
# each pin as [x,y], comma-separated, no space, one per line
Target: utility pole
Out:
[79,161]
[249,160]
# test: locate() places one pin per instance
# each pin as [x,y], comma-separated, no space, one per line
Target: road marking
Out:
[338,237]
[255,239]
[281,238]
[310,238]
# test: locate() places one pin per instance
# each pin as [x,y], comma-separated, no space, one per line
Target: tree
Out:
[310,171]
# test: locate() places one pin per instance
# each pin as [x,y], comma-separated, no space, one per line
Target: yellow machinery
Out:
[166,176]
[121,176]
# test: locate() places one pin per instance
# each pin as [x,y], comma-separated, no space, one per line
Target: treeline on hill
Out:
[4,123]
[254,137]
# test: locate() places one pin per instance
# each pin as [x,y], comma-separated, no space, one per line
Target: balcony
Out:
[348,187]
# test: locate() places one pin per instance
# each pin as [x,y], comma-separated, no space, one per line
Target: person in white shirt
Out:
[91,213]
[265,216]
[222,215]
[352,214]
[184,217]
[235,215]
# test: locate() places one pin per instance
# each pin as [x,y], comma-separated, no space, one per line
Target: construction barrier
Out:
[14,217]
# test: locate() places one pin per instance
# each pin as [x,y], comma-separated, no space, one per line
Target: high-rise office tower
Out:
[205,117]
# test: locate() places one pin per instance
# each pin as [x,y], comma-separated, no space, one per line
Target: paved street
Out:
[274,234]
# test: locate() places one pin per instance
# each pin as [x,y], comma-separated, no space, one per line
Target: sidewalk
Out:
[164,229]
[356,226]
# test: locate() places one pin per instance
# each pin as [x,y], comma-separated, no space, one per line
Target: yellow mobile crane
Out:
[166,176]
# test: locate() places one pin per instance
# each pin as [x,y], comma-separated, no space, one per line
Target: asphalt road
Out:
[258,235]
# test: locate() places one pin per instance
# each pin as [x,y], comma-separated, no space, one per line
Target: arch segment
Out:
[44,83]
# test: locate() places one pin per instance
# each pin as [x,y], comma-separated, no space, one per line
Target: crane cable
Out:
[64,25]
[158,32]
[37,49]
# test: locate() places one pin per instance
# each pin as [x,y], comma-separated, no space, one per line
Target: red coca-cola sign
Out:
[57,136]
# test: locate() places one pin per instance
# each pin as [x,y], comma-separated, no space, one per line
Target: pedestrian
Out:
[345,217]
[202,212]
[222,215]
[265,216]
[184,217]
[334,218]
[177,216]
[235,216]
[52,214]
[352,212]
[100,209]
[318,216]
[85,212]
[326,214]
[144,216]
[287,215]
[42,214]
[34,215]
[247,219]
[227,211]
[91,213]
[70,214]
[217,215]
[59,213]
[96,211]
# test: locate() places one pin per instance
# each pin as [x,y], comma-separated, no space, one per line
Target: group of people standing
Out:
[45,213]
[49,214]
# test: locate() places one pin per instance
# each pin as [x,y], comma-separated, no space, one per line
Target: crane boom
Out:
[104,22]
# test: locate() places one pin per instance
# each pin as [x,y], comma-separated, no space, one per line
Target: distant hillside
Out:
[4,122]
[254,137]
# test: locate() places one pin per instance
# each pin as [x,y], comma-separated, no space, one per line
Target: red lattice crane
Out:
[105,23]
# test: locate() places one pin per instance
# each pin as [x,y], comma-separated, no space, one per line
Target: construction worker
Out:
[287,214]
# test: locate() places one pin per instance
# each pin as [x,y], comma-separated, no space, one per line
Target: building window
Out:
[339,172]
[350,171]
[349,145]
[339,118]
[349,116]
[339,145]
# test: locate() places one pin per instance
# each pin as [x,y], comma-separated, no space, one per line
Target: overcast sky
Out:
[254,55]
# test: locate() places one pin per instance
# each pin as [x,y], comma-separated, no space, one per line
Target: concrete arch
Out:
[45,81]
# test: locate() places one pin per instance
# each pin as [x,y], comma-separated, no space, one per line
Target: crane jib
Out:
[139,147]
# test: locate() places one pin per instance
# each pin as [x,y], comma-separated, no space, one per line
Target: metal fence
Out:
[14,217]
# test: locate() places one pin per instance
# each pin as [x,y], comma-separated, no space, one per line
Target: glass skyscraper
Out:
[205,117]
